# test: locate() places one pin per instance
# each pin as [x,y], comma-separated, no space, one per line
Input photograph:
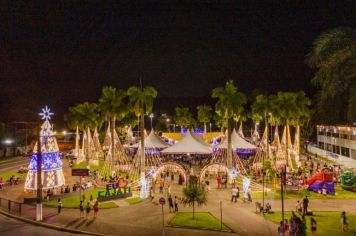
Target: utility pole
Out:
[39,215]
[263,163]
[283,180]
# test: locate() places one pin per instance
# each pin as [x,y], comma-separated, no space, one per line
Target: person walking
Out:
[59,206]
[218,180]
[305,205]
[249,195]
[169,189]
[234,194]
[175,204]
[286,227]
[281,229]
[96,208]
[170,204]
[313,226]
[343,222]
[87,209]
[81,208]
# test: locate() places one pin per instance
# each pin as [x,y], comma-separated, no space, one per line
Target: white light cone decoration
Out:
[52,173]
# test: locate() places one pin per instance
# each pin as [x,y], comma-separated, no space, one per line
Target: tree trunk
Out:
[113,147]
[87,146]
[142,156]
[229,148]
[204,127]
[193,209]
[298,140]
[287,144]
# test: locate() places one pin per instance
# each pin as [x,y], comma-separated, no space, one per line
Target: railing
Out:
[11,206]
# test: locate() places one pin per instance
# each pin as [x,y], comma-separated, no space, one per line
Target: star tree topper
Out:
[46,113]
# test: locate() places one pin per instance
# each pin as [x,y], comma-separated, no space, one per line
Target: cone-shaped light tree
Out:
[229,105]
[112,107]
[84,115]
[141,101]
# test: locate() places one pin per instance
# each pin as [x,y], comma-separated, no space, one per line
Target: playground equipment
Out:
[348,181]
[321,179]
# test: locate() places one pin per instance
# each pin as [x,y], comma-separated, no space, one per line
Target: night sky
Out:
[59,54]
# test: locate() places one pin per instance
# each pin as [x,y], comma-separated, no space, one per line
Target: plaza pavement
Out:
[145,218]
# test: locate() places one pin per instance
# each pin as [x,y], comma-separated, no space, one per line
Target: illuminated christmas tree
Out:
[52,173]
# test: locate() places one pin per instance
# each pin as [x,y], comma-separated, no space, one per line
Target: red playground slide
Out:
[317,177]
[320,176]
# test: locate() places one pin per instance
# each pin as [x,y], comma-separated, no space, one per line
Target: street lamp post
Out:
[169,128]
[151,116]
[283,182]
[263,162]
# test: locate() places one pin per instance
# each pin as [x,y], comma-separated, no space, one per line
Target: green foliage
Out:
[193,194]
[230,100]
[204,113]
[111,103]
[141,99]
[334,57]
[183,117]
[84,115]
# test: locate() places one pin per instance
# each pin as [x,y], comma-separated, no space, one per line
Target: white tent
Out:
[198,138]
[189,144]
[152,141]
[237,142]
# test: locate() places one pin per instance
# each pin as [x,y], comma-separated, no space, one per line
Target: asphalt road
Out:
[13,163]
[11,227]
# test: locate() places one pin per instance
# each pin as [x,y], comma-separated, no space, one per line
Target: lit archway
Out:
[171,166]
[213,168]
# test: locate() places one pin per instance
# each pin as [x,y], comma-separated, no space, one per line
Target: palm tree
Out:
[286,103]
[229,105]
[204,114]
[302,113]
[194,194]
[183,117]
[112,107]
[141,100]
[334,57]
[83,116]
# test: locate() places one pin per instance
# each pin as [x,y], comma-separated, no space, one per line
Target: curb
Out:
[50,226]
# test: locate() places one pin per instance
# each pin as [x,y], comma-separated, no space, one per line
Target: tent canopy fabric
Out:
[152,141]
[189,144]
[237,142]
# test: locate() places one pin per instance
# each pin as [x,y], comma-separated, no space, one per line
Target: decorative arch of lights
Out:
[213,167]
[172,166]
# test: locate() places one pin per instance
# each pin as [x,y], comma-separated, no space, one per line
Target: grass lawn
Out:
[83,165]
[73,201]
[327,222]
[133,200]
[276,194]
[7,175]
[203,220]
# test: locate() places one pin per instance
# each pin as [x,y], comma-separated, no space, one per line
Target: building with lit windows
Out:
[337,143]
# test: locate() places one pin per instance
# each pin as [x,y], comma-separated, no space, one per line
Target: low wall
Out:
[342,160]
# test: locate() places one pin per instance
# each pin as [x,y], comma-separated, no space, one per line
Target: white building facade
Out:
[337,143]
